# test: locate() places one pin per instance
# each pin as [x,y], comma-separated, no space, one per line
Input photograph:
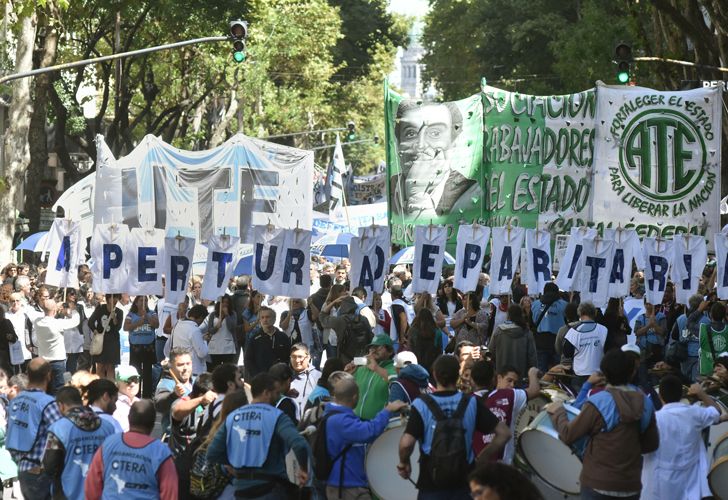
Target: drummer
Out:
[505,401]
[678,469]
[621,425]
[346,437]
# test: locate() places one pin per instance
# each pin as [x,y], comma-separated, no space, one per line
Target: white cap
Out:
[631,348]
[404,358]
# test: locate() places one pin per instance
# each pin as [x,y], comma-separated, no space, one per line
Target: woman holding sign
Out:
[141,324]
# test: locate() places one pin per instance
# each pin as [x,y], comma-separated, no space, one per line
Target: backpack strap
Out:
[462,406]
[433,407]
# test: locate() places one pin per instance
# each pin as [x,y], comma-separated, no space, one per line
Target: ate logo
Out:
[663,155]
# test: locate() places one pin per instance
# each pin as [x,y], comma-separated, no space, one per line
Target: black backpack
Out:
[448,458]
[322,462]
[357,336]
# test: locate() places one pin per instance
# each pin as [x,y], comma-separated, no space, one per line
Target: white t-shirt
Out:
[588,341]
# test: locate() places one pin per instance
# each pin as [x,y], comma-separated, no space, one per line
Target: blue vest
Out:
[25,414]
[145,334]
[249,432]
[553,320]
[80,447]
[448,404]
[131,473]
[604,403]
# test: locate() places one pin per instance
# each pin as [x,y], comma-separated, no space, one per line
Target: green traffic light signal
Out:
[239,56]
[623,77]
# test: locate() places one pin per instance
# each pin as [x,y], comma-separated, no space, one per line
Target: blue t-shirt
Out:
[554,318]
[145,334]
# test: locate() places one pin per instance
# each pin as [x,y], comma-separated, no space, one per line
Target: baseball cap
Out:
[126,372]
[381,340]
[404,358]
[721,359]
[631,348]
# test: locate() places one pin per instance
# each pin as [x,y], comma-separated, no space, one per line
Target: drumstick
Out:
[176,380]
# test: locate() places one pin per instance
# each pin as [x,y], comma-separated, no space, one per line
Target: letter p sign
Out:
[112,256]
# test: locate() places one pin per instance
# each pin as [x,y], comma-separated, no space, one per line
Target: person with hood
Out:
[426,340]
[72,442]
[305,376]
[620,425]
[512,343]
[572,319]
[412,379]
[548,316]
[346,435]
[348,325]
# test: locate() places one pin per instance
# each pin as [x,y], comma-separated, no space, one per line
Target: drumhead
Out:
[548,457]
[381,465]
[720,449]
[718,478]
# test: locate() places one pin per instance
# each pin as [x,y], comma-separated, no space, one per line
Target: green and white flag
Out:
[658,160]
[434,157]
[537,159]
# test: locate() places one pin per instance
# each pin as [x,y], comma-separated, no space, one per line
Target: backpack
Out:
[448,458]
[207,480]
[187,457]
[322,462]
[357,336]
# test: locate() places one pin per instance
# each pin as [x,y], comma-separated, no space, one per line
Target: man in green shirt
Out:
[718,332]
[373,378]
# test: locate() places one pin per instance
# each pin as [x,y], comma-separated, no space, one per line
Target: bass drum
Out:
[534,406]
[555,463]
[716,433]
[381,465]
[718,475]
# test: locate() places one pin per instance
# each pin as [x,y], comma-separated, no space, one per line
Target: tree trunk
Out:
[218,135]
[16,138]
[37,136]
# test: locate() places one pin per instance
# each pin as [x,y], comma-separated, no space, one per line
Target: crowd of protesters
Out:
[240,382]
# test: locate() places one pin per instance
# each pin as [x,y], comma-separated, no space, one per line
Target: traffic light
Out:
[351,134]
[623,58]
[238,33]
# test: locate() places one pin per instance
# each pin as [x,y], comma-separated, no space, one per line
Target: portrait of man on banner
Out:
[427,184]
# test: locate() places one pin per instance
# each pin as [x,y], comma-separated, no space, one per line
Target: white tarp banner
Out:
[110,268]
[570,266]
[506,252]
[145,261]
[594,274]
[721,258]
[626,248]
[658,259]
[222,253]
[657,159]
[472,242]
[178,254]
[281,262]
[66,248]
[538,255]
[369,256]
[430,244]
[691,253]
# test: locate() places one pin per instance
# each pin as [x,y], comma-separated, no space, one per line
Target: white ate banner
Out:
[538,255]
[222,254]
[179,252]
[658,259]
[145,261]
[506,252]
[691,253]
[657,159]
[471,244]
[110,269]
[430,244]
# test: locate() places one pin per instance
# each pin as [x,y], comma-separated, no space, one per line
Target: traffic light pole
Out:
[120,55]
[681,63]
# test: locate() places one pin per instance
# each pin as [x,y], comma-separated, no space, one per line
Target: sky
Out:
[410,7]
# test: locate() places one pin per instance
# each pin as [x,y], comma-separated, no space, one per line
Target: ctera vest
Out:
[25,414]
[131,473]
[249,433]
